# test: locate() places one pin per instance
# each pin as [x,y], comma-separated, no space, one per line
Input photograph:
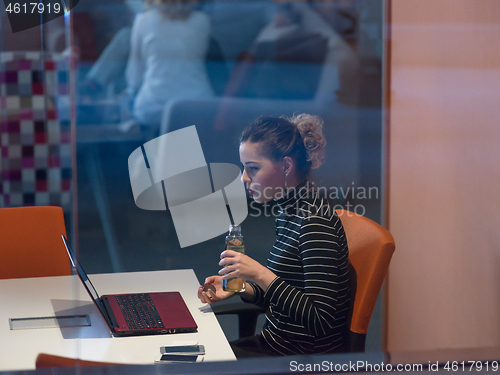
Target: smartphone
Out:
[178,358]
[183,349]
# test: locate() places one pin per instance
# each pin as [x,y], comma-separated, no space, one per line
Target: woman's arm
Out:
[244,267]
[212,291]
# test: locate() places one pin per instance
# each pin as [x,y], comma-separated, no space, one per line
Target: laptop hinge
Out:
[107,306]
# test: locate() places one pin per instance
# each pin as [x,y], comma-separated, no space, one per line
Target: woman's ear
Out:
[288,165]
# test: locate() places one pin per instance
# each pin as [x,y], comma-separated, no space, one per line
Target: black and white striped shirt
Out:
[308,302]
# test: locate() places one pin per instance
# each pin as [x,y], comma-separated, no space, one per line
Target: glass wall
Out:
[142,70]
[35,110]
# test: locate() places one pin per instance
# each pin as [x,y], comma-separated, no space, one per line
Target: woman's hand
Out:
[212,290]
[242,266]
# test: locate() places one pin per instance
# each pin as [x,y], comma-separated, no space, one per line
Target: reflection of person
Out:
[296,42]
[111,64]
[168,47]
[305,285]
[298,18]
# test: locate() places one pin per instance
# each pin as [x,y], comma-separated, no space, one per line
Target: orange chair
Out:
[44,360]
[370,251]
[31,244]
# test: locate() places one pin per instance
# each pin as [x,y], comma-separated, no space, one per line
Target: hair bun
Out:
[311,131]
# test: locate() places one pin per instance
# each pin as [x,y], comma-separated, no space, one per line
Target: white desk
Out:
[65,295]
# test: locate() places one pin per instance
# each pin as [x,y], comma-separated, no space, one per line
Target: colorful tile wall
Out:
[35,144]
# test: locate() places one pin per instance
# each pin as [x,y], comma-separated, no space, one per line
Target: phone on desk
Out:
[179,358]
[181,354]
[183,349]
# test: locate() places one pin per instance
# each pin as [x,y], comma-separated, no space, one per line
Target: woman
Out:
[305,285]
[168,47]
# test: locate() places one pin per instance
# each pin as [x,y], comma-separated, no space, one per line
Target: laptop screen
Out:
[86,281]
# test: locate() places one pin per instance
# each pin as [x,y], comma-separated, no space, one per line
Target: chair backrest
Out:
[31,244]
[44,360]
[370,250]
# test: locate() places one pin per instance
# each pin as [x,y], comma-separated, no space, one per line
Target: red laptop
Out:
[139,313]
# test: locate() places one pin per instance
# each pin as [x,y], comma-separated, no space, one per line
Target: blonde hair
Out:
[299,137]
[311,131]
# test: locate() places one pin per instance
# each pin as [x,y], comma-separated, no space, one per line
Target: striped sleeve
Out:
[324,255]
[258,295]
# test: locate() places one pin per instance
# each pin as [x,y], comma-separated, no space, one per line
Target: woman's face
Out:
[263,178]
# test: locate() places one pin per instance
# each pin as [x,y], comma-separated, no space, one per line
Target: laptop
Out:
[138,313]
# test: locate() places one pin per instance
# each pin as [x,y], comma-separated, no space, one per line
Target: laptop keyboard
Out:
[139,311]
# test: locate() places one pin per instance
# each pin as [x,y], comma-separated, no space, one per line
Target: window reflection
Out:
[145,68]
